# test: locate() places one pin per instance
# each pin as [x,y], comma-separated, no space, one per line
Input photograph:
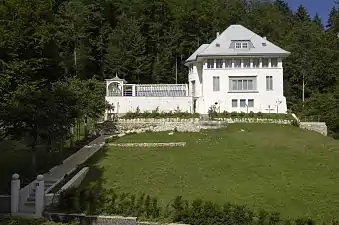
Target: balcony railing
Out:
[152,90]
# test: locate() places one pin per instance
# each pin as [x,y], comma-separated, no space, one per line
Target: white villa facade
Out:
[239,71]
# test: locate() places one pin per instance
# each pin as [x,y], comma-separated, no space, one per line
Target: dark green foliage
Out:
[197,212]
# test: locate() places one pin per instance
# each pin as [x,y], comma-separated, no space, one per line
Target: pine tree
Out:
[283,6]
[317,21]
[302,14]
[332,18]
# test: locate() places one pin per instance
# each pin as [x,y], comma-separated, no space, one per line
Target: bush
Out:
[180,210]
[212,112]
[295,123]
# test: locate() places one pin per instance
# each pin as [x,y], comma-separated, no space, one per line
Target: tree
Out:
[302,14]
[332,17]
[317,21]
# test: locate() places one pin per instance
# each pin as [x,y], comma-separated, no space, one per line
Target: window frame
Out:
[236,101]
[269,83]
[248,103]
[230,63]
[262,62]
[235,62]
[276,61]
[238,45]
[242,101]
[216,87]
[244,43]
[237,83]
[256,60]
[209,64]
[249,62]
[217,61]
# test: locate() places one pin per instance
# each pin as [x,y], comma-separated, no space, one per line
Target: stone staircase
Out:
[28,207]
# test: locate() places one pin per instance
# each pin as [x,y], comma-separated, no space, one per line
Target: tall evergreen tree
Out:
[317,21]
[332,18]
[302,14]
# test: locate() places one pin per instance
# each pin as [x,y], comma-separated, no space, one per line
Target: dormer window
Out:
[241,45]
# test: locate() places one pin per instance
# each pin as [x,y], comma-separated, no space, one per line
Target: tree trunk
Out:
[72,136]
[85,127]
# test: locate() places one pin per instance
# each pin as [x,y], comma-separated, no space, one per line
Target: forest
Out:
[55,54]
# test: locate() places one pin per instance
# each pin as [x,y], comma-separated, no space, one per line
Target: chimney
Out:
[218,34]
[264,42]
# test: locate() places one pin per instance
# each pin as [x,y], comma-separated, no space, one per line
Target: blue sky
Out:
[322,7]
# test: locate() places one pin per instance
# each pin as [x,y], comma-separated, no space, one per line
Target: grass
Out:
[267,166]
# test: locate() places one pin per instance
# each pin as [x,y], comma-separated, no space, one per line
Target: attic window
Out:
[217,45]
[241,45]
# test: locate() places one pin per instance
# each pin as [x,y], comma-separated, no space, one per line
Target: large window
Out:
[243,83]
[269,83]
[237,63]
[210,63]
[216,84]
[264,62]
[218,63]
[274,62]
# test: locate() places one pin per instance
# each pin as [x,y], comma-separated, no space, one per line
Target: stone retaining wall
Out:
[319,127]
[254,120]
[98,220]
[149,145]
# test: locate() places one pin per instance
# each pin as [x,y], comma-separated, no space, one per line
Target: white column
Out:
[39,196]
[251,62]
[260,62]
[15,189]
[269,63]
[133,90]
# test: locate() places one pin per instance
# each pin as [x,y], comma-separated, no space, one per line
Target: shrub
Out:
[212,112]
[295,123]
[251,114]
[179,210]
[234,114]
[260,115]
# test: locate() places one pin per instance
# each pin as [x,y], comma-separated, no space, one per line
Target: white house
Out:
[239,71]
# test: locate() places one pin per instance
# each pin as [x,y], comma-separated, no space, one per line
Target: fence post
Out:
[15,190]
[39,196]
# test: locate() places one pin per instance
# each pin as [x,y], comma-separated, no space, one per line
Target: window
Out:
[274,62]
[216,84]
[210,63]
[234,103]
[228,63]
[243,103]
[244,45]
[269,83]
[264,62]
[256,63]
[218,63]
[241,44]
[237,63]
[247,63]
[250,103]
[243,83]
[238,45]
[193,87]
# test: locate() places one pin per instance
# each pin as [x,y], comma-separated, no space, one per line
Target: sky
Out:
[322,7]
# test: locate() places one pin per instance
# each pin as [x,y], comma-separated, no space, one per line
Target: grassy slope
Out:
[273,167]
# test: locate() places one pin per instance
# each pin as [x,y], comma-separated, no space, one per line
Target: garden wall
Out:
[98,220]
[140,125]
[319,127]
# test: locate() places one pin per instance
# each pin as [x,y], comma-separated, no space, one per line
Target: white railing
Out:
[153,90]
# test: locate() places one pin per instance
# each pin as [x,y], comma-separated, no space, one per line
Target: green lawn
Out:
[273,167]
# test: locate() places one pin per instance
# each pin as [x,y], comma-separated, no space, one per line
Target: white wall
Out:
[262,97]
[165,104]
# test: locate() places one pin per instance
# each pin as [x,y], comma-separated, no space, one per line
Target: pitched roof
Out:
[221,46]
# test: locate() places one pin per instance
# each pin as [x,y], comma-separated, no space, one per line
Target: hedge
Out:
[97,201]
